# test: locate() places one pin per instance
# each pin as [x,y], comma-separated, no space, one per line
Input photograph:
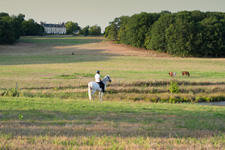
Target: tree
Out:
[111,32]
[180,38]
[157,35]
[30,27]
[116,30]
[7,35]
[17,23]
[183,36]
[186,33]
[85,31]
[137,27]
[95,30]
[71,27]
[122,29]
[10,28]
[213,37]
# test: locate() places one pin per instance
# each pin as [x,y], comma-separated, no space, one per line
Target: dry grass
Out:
[109,142]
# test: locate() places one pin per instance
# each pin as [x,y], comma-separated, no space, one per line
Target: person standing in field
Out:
[98,80]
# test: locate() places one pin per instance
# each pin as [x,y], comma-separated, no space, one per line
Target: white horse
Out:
[93,86]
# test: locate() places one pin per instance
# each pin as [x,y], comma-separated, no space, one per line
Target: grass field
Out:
[48,78]
[37,63]
[80,124]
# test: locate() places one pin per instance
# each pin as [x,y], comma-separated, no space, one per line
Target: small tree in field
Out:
[85,31]
[95,30]
[174,88]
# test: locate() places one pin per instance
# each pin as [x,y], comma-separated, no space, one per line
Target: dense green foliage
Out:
[31,27]
[85,31]
[72,27]
[93,30]
[186,33]
[10,28]
[174,88]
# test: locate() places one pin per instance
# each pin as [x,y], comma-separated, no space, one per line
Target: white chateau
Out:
[59,28]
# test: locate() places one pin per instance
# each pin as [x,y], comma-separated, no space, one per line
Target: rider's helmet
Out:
[97,71]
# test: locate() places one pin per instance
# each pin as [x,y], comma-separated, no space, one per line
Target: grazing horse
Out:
[93,86]
[185,73]
[172,74]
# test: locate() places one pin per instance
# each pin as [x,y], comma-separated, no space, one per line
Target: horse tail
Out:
[89,90]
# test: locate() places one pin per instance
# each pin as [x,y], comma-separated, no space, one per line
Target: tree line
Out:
[72,27]
[185,33]
[12,27]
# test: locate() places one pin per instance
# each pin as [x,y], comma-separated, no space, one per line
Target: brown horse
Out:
[185,73]
[172,74]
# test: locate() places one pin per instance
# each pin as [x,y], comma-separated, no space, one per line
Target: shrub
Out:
[154,99]
[209,99]
[200,99]
[14,92]
[27,94]
[10,92]
[2,93]
[221,98]
[175,99]
[174,87]
[163,100]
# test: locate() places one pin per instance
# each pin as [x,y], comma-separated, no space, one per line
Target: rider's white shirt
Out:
[97,78]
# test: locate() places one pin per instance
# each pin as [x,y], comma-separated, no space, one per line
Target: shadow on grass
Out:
[49,50]
[61,40]
[94,56]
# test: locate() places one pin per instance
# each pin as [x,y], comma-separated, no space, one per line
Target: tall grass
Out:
[159,91]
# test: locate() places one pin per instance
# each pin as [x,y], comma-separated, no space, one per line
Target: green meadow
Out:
[44,102]
[40,123]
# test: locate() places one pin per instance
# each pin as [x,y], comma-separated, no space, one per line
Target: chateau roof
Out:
[53,25]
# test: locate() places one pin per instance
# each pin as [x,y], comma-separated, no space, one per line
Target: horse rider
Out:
[99,81]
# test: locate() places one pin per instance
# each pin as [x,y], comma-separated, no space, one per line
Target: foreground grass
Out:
[34,123]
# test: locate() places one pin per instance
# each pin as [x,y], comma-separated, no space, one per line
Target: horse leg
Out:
[92,95]
[89,92]
[100,95]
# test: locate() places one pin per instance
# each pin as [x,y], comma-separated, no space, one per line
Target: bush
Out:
[27,94]
[174,87]
[200,99]
[154,99]
[10,92]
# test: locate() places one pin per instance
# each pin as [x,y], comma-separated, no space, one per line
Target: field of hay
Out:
[44,102]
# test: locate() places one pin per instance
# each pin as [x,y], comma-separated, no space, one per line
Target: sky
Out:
[100,12]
